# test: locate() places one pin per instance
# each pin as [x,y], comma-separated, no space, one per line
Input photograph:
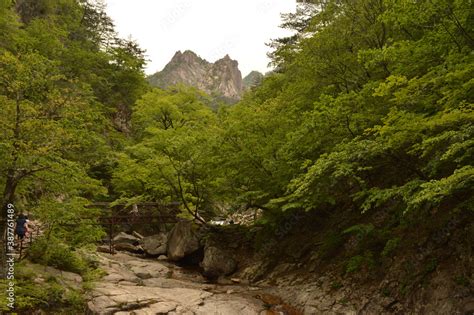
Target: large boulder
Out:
[128,248]
[155,245]
[217,262]
[126,238]
[182,241]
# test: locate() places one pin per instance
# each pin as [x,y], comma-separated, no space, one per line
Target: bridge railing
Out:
[118,215]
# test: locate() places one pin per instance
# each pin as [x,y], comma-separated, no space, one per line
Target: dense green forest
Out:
[66,83]
[65,78]
[370,108]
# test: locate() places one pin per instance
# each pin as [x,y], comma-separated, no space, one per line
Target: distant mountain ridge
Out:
[221,78]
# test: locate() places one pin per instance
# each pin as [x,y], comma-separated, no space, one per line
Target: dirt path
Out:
[141,286]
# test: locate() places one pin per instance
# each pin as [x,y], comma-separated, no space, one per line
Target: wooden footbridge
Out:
[149,216]
[139,213]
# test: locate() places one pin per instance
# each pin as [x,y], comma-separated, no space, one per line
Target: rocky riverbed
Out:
[140,286]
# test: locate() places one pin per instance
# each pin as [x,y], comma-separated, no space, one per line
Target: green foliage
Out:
[356,263]
[173,157]
[70,221]
[370,108]
[53,253]
[406,120]
[336,285]
[64,75]
[360,230]
[91,276]
[49,295]
[390,247]
[356,114]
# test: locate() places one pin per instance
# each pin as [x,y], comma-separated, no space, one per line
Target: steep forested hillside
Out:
[67,86]
[371,107]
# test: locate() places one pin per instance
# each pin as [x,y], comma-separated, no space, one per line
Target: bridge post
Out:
[111,235]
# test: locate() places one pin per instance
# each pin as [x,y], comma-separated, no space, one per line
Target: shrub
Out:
[390,247]
[63,258]
[56,254]
[49,295]
[355,263]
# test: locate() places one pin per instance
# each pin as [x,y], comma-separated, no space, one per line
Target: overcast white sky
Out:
[210,28]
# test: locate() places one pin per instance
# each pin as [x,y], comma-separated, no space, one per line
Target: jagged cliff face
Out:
[222,78]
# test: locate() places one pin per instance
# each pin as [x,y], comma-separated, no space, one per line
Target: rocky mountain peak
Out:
[186,56]
[227,61]
[222,78]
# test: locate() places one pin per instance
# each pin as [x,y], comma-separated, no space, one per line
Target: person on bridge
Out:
[21,226]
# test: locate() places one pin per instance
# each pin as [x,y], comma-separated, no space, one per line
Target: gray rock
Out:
[230,305]
[158,308]
[126,238]
[103,249]
[155,245]
[159,294]
[182,241]
[101,305]
[128,248]
[65,278]
[217,262]
[147,270]
[112,298]
[137,235]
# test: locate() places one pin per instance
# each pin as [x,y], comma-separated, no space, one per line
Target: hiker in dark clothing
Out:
[21,226]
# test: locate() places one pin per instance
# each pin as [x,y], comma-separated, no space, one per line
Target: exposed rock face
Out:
[138,286]
[182,241]
[217,263]
[222,78]
[155,245]
[124,242]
